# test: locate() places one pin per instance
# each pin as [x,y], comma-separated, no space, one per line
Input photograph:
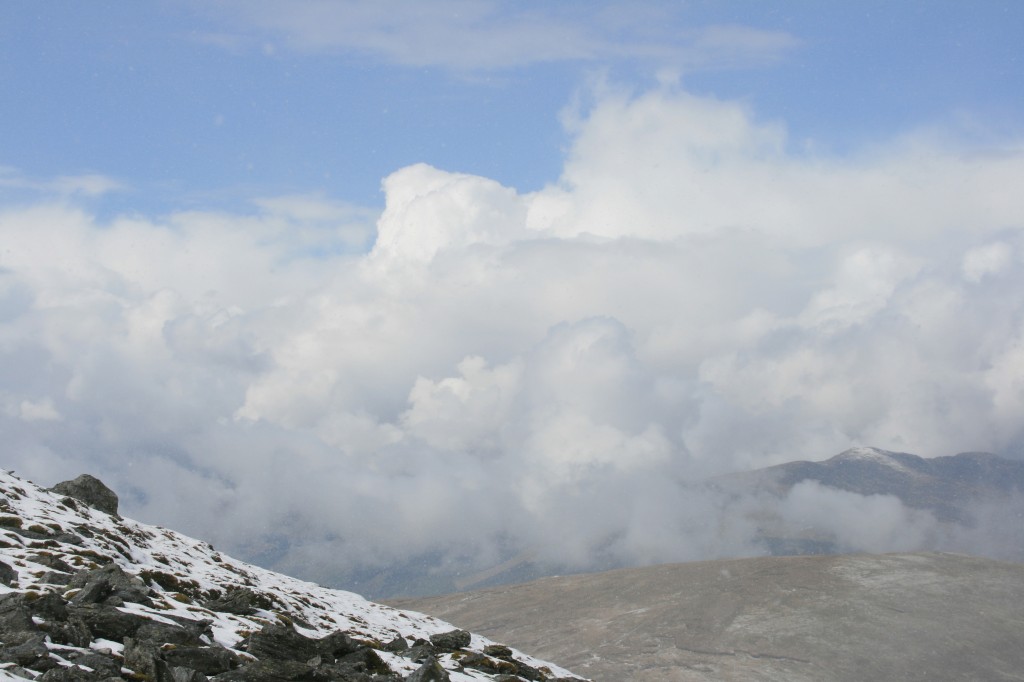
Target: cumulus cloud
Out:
[501,372]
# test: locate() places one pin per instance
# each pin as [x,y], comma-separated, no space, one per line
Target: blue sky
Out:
[498,277]
[189,103]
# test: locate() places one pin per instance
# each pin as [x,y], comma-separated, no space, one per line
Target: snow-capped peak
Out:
[875,455]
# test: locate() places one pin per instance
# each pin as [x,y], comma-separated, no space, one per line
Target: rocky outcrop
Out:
[94,597]
[90,490]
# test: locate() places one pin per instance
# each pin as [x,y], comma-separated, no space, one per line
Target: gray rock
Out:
[90,490]
[105,666]
[280,642]
[187,675]
[106,621]
[165,633]
[336,645]
[68,674]
[8,576]
[452,640]
[431,671]
[209,660]
[240,601]
[144,659]
[272,671]
[108,583]
[31,654]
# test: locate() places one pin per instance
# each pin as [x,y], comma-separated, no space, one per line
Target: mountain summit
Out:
[87,595]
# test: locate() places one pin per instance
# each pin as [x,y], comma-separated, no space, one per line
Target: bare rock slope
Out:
[920,616]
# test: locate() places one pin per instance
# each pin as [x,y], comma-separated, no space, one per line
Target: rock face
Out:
[922,616]
[92,597]
[90,490]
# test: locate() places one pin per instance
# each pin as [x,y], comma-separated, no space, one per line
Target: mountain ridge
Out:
[79,585]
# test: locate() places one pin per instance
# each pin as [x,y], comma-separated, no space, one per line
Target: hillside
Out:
[88,595]
[918,616]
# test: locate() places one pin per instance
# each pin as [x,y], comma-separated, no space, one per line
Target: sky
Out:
[345,284]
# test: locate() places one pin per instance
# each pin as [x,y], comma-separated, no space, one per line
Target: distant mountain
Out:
[86,595]
[849,618]
[975,496]
[946,486]
[972,502]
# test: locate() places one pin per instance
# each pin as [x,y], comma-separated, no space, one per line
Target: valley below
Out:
[906,616]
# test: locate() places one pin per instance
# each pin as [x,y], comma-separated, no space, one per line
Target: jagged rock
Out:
[55,578]
[488,664]
[452,640]
[365,660]
[187,675]
[107,622]
[144,659]
[16,624]
[498,651]
[281,642]
[74,632]
[420,651]
[108,584]
[49,606]
[272,671]
[209,660]
[336,645]
[31,654]
[240,601]
[8,576]
[113,627]
[18,671]
[51,561]
[528,672]
[397,645]
[90,490]
[68,674]
[105,666]
[166,633]
[431,671]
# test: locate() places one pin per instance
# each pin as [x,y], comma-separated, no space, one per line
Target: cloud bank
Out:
[505,371]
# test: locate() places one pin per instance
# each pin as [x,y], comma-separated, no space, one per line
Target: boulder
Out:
[209,660]
[240,601]
[90,490]
[107,622]
[272,671]
[281,642]
[452,640]
[431,671]
[144,659]
[108,584]
[8,576]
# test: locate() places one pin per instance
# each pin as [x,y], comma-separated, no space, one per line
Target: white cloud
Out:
[506,370]
[85,185]
[990,259]
[473,35]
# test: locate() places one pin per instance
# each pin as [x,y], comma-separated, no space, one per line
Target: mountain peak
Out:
[875,456]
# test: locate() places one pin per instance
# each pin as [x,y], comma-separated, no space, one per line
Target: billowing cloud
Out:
[547,372]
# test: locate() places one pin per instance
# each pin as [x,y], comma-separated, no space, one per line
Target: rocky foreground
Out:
[919,616]
[86,595]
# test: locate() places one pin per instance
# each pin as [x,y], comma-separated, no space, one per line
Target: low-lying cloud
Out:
[506,371]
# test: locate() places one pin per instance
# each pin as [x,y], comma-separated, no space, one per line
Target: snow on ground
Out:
[184,571]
